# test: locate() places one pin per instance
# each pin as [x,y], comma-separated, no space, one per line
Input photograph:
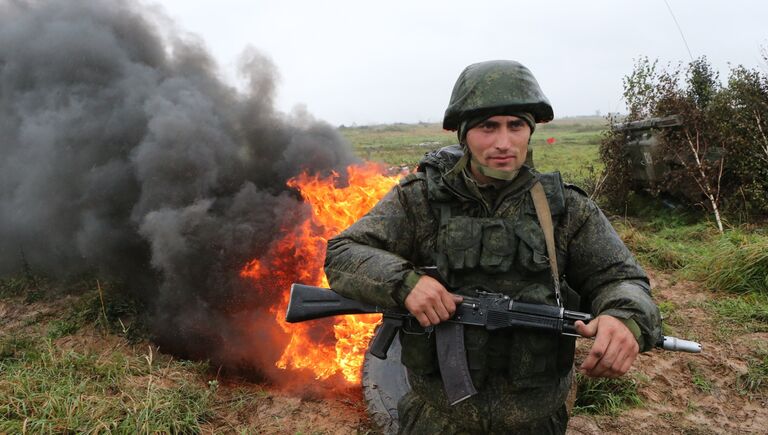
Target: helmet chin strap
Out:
[496,174]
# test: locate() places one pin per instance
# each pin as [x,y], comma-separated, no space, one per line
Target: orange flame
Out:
[332,210]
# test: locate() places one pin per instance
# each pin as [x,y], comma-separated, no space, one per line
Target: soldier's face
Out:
[500,142]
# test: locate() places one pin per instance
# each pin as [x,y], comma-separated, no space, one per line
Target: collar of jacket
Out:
[447,181]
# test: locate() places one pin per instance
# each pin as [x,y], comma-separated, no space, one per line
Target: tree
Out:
[718,157]
[741,112]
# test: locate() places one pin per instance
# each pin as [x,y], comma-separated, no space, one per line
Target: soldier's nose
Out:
[504,141]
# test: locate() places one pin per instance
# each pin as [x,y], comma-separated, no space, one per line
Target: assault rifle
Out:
[489,310]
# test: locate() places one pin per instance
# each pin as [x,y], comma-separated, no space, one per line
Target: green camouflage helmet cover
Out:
[493,87]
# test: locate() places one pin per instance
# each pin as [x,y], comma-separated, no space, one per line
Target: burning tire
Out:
[384,383]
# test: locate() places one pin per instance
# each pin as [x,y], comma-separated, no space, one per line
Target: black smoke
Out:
[124,152]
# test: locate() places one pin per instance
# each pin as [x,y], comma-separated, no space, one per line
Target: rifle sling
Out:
[545,220]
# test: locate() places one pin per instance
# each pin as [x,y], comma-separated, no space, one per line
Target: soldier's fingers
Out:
[622,364]
[586,330]
[432,315]
[620,356]
[416,306]
[422,318]
[627,363]
[590,362]
[627,356]
[605,367]
[615,368]
[623,347]
[599,369]
[449,303]
[442,311]
[596,353]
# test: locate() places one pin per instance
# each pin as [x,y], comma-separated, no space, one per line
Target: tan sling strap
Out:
[545,220]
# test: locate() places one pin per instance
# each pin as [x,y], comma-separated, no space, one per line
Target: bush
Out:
[718,157]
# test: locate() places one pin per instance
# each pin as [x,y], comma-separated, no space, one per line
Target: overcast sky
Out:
[364,62]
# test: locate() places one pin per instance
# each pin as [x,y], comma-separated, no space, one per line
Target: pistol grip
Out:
[385,334]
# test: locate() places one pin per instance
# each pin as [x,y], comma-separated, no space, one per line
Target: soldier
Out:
[479,214]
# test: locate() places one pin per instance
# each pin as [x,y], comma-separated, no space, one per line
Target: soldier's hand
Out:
[430,302]
[614,350]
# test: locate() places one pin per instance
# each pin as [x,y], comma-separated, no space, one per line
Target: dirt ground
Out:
[673,402]
[670,382]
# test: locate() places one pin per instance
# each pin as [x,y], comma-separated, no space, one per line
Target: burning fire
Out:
[333,210]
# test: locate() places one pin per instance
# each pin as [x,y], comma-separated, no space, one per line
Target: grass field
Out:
[75,359]
[575,147]
[70,362]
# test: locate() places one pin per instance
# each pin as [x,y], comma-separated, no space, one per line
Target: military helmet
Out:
[496,86]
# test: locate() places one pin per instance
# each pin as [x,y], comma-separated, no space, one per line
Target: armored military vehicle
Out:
[642,149]
[651,166]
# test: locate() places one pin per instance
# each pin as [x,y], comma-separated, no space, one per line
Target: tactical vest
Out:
[503,253]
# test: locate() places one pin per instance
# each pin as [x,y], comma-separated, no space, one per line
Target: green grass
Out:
[576,145]
[578,164]
[14,286]
[606,396]
[755,380]
[667,308]
[107,309]
[738,264]
[571,131]
[397,144]
[670,317]
[734,262]
[668,245]
[15,346]
[746,313]
[47,389]
[699,379]
[26,284]
[69,364]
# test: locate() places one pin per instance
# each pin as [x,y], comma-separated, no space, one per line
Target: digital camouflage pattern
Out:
[496,87]
[480,236]
[488,412]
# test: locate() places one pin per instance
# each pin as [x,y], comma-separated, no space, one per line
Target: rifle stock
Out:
[308,303]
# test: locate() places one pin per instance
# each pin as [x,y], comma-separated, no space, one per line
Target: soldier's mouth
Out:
[502,159]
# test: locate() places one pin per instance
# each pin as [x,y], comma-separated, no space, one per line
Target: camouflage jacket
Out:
[376,260]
